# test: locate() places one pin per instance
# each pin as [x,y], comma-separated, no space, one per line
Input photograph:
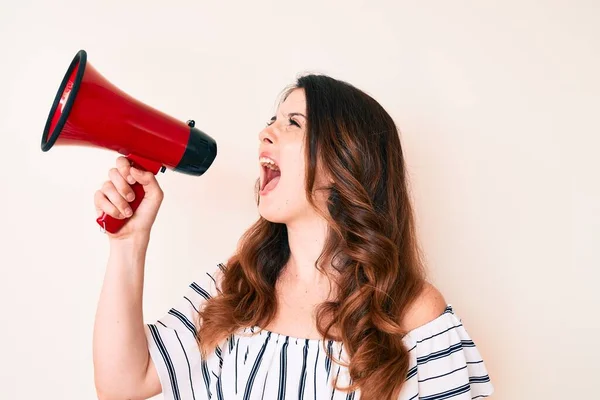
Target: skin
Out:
[301,286]
[122,365]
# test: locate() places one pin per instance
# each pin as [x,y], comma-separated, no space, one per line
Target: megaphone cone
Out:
[88,110]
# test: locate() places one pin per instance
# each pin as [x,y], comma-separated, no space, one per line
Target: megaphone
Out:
[88,110]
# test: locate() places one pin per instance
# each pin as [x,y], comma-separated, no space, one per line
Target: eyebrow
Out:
[292,114]
[296,113]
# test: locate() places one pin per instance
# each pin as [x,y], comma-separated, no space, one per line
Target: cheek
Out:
[294,167]
[297,176]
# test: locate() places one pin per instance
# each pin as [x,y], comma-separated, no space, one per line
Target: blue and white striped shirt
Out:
[255,364]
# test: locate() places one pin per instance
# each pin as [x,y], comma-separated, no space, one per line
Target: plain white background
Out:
[498,103]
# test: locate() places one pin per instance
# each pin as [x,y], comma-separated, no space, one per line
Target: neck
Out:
[306,239]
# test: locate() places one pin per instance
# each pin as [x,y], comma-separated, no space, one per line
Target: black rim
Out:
[49,138]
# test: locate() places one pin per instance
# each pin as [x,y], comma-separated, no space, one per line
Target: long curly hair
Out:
[371,242]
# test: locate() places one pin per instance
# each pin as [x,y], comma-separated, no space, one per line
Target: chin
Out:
[273,213]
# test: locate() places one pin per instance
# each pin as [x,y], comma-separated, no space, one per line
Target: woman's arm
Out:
[123,368]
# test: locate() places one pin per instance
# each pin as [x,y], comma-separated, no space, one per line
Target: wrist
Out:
[138,241]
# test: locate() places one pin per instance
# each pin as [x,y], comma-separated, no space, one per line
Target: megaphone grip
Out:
[113,225]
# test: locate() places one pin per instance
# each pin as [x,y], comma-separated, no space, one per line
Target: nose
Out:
[267,135]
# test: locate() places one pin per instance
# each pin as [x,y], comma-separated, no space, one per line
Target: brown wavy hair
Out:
[371,244]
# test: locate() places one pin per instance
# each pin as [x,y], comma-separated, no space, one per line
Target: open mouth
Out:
[271,175]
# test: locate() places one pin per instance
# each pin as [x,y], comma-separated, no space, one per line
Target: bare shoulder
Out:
[429,305]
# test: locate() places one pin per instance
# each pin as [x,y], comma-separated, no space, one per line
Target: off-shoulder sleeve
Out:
[445,362]
[172,342]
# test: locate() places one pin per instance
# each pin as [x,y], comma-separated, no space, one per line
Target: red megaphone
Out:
[90,111]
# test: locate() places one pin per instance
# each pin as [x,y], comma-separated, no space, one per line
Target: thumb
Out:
[145,178]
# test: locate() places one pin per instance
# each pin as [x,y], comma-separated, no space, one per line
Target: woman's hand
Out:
[115,194]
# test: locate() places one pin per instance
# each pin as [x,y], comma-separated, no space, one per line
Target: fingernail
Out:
[130,179]
[128,212]
[130,197]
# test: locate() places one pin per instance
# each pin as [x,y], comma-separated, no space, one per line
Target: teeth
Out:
[267,162]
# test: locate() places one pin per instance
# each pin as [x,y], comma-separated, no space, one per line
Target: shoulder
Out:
[428,305]
[444,359]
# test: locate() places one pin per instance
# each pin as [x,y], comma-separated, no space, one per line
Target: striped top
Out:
[254,364]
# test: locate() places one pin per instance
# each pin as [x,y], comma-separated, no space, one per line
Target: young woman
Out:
[326,291]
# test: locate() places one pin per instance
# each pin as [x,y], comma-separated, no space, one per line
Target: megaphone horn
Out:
[88,110]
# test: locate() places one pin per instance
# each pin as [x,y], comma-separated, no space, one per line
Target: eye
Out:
[291,120]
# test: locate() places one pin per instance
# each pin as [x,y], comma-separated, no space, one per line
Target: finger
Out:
[103,205]
[121,185]
[116,199]
[124,166]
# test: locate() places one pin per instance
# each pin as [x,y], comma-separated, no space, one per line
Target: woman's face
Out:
[282,162]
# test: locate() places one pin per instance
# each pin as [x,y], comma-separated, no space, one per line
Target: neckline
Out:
[257,331]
